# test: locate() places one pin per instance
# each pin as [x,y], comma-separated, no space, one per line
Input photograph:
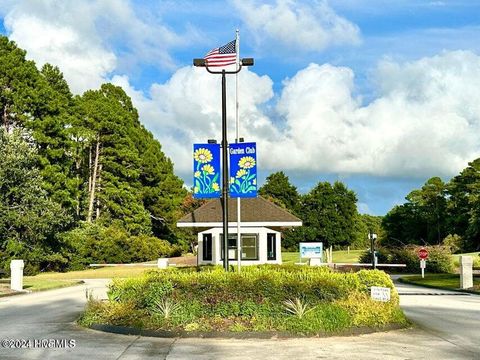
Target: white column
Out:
[200,248]
[217,247]
[278,244]
[466,272]
[16,275]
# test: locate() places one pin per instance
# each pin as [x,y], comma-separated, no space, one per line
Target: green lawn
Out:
[96,273]
[441,281]
[55,280]
[341,256]
[32,283]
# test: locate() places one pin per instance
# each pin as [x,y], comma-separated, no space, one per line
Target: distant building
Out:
[261,225]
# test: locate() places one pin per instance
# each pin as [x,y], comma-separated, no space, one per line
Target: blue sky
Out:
[379,94]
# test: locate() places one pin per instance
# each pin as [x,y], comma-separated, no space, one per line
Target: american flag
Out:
[222,56]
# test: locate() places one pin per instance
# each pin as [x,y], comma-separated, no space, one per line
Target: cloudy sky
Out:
[379,94]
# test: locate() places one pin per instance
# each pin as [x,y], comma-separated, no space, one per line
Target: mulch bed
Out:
[183,260]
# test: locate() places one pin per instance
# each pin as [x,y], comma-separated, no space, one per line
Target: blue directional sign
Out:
[243,170]
[206,171]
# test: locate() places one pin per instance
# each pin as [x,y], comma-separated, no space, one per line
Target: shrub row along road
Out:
[447,331]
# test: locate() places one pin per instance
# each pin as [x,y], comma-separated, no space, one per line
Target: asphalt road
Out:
[52,315]
[452,316]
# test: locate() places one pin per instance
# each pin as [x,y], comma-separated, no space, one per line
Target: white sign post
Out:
[380,293]
[423,256]
[423,265]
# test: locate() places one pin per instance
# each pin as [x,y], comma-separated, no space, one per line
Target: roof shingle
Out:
[252,210]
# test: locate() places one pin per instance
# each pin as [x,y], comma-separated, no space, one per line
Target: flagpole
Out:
[237,140]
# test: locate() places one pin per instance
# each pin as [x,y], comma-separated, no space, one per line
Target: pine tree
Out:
[29,221]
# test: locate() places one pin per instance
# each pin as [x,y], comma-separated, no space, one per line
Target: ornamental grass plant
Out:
[298,300]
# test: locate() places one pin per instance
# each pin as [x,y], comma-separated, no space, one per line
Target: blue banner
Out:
[206,171]
[243,170]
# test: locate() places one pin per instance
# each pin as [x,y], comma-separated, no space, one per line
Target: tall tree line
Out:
[94,158]
[439,211]
[328,212]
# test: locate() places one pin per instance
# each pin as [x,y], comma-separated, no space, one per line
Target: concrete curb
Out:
[125,330]
[15,293]
[405,281]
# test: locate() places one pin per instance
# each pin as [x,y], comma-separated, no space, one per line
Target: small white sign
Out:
[380,293]
[311,250]
[423,264]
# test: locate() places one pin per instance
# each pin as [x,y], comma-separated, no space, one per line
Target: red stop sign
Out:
[423,253]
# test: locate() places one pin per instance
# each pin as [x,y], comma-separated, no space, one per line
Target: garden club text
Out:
[240,151]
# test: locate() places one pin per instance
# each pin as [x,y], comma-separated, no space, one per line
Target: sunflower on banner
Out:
[206,171]
[243,170]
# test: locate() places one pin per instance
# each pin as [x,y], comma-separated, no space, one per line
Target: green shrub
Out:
[439,259]
[454,242]
[366,312]
[254,300]
[37,258]
[93,243]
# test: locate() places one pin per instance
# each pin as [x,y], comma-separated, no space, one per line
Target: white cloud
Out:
[79,36]
[424,122]
[187,109]
[312,26]
[51,33]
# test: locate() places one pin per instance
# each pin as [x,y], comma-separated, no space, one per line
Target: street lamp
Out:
[373,237]
[204,63]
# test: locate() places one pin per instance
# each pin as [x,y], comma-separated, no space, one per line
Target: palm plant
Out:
[297,307]
[166,307]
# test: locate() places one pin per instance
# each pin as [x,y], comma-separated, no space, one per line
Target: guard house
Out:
[261,225]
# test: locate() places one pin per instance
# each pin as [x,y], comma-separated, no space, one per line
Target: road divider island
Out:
[268,298]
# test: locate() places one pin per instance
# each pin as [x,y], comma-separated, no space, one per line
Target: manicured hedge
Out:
[209,299]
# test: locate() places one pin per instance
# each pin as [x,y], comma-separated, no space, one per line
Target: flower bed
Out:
[297,300]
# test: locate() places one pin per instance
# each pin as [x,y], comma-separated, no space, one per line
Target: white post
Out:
[16,275]
[237,135]
[466,272]
[423,265]
[162,263]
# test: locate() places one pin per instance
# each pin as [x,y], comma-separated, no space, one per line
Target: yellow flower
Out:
[196,189]
[215,187]
[208,169]
[246,162]
[197,174]
[241,173]
[232,180]
[202,155]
